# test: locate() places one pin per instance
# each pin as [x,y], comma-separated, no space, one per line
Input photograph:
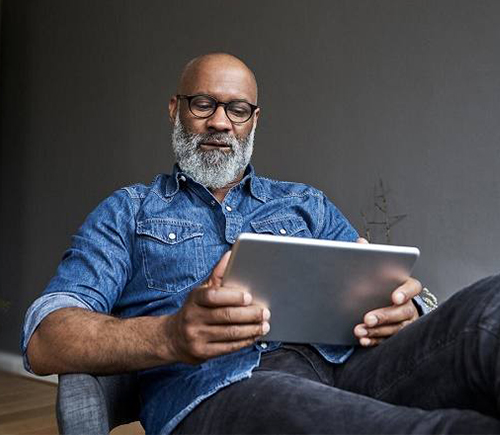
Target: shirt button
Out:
[228,208]
[283,231]
[263,345]
[212,203]
[172,236]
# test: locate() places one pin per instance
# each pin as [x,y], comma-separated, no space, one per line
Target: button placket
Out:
[234,222]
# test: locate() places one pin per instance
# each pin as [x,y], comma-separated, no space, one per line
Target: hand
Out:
[384,322]
[215,320]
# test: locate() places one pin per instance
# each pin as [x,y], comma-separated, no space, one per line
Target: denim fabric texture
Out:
[143,249]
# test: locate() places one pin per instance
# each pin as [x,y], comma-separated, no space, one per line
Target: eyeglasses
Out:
[204,106]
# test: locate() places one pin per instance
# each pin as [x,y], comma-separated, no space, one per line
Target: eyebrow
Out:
[208,94]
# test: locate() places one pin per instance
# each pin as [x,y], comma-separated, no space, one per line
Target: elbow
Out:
[34,352]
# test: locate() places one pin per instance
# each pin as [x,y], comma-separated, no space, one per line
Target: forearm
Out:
[74,340]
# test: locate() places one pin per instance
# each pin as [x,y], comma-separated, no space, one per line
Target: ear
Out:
[256,115]
[172,108]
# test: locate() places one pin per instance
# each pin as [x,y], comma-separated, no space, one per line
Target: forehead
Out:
[224,81]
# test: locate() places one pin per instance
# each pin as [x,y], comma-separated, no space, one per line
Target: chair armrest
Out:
[94,405]
[81,407]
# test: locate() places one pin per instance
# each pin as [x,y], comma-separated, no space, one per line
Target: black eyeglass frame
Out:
[218,103]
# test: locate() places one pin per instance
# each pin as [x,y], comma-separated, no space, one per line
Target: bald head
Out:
[202,73]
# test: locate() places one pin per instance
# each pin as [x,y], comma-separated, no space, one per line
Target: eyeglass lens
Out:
[204,106]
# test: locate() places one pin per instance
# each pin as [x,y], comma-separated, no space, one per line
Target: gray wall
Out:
[350,91]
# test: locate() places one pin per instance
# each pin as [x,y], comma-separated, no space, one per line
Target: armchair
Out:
[94,405]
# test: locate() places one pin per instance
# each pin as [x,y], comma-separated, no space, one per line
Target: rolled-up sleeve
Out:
[94,270]
[40,309]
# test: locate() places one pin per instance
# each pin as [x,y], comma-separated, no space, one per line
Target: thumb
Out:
[215,278]
[362,240]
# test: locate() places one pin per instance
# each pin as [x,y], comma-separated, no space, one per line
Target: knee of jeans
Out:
[481,302]
[474,304]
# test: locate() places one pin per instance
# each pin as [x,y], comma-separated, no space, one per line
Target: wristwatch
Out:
[429,299]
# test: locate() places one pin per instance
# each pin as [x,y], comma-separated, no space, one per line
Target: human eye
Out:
[202,103]
[239,109]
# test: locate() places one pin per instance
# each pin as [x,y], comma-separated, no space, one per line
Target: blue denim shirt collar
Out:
[256,188]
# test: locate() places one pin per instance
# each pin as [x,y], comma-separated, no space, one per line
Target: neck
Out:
[221,193]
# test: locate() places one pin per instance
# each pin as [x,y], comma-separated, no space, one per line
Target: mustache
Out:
[225,138]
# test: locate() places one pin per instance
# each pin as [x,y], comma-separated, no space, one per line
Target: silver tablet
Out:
[317,290]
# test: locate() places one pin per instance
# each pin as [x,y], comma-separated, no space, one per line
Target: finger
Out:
[217,349]
[362,240]
[361,330]
[231,315]
[392,314]
[225,333]
[215,278]
[409,289]
[386,330]
[370,342]
[220,297]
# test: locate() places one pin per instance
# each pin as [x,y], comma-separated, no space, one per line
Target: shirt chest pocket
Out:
[282,225]
[172,253]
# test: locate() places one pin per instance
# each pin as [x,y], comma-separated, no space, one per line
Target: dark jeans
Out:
[440,374]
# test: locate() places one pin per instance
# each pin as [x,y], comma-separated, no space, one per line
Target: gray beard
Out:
[213,168]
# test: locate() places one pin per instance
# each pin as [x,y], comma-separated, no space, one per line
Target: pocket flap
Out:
[284,225]
[169,231]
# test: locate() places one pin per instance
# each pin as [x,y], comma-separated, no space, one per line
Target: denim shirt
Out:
[143,249]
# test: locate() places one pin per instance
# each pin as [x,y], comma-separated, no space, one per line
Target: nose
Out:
[219,120]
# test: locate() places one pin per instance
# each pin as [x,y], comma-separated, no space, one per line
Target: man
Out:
[140,289]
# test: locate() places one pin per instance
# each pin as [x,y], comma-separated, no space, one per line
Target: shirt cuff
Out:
[40,309]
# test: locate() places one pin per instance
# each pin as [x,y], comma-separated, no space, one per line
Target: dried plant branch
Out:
[381,206]
[396,219]
[366,227]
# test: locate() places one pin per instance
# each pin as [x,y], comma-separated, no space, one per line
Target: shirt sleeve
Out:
[94,270]
[333,224]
